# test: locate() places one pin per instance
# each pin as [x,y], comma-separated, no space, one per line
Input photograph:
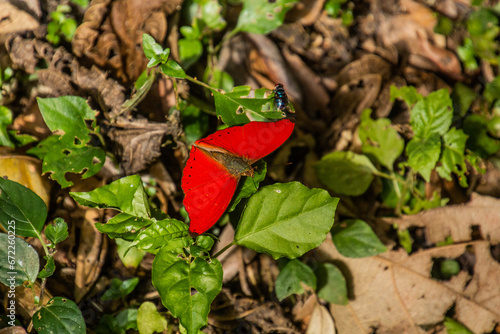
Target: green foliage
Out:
[24,262]
[119,288]
[332,285]
[71,151]
[379,140]
[480,142]
[48,269]
[149,320]
[157,56]
[21,209]
[483,28]
[291,277]
[235,108]
[61,316]
[454,327]
[301,223]
[262,16]
[346,173]
[354,238]
[57,232]
[61,25]
[187,286]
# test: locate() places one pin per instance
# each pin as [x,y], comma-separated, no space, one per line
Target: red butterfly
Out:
[217,162]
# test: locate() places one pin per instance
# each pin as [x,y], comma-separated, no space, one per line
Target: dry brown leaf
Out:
[321,321]
[394,292]
[28,172]
[111,33]
[138,143]
[14,20]
[457,221]
[92,251]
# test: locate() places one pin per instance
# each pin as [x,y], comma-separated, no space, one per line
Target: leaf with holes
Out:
[186,286]
[69,152]
[236,108]
[60,316]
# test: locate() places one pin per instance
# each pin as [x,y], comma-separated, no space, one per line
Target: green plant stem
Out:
[223,250]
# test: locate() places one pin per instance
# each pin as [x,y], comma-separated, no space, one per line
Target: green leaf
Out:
[68,29]
[250,184]
[5,120]
[126,194]
[262,16]
[492,90]
[332,286]
[127,319]
[172,69]
[190,50]
[194,121]
[454,327]
[20,266]
[81,3]
[48,269]
[187,287]
[405,240]
[467,55]
[379,140]
[131,256]
[205,242]
[21,210]
[286,220]
[355,238]
[149,320]
[119,288]
[453,160]
[211,15]
[57,232]
[151,48]
[462,97]
[408,94]
[124,226]
[476,127]
[291,278]
[60,316]
[444,25]
[419,204]
[69,152]
[432,114]
[161,233]
[235,108]
[423,154]
[346,173]
[449,268]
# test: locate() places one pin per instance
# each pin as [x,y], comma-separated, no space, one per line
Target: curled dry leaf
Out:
[111,33]
[64,74]
[14,20]
[395,293]
[138,143]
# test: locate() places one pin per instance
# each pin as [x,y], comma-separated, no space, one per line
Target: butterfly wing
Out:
[208,189]
[253,141]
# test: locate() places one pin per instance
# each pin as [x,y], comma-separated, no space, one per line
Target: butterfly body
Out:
[216,164]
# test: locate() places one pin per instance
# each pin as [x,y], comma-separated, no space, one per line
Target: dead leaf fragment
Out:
[395,293]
